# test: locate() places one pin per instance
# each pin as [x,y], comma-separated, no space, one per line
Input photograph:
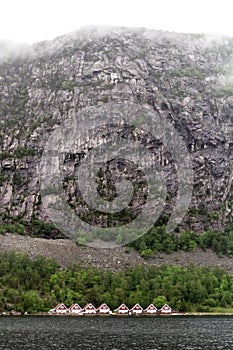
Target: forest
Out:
[158,240]
[37,285]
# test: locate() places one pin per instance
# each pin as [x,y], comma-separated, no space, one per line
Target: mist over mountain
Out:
[185,79]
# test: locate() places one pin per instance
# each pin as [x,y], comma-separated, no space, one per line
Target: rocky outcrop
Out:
[185,79]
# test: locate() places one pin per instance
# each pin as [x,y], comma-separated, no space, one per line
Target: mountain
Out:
[185,80]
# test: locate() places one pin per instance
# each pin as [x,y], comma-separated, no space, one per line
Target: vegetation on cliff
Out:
[158,240]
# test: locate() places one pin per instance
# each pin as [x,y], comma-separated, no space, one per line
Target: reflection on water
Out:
[116,333]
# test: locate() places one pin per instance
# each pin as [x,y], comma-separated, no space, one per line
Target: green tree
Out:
[32,302]
[160,300]
[226,299]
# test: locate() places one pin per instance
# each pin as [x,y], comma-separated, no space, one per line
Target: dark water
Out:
[116,333]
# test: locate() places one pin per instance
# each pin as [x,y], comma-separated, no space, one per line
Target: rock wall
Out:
[186,79]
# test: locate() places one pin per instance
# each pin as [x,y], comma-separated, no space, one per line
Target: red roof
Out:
[75,307]
[103,307]
[151,307]
[165,307]
[122,307]
[136,307]
[89,306]
[61,306]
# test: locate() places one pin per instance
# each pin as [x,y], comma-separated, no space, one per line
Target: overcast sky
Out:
[34,20]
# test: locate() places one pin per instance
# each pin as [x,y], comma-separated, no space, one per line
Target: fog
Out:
[27,21]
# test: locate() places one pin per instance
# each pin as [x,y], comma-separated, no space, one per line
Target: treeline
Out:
[158,240]
[38,285]
[34,228]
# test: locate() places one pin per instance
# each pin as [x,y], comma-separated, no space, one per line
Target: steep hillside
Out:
[66,253]
[186,79]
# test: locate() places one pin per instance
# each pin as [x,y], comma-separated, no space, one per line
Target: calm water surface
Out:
[116,333]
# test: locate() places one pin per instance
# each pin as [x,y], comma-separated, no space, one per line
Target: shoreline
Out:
[185,314]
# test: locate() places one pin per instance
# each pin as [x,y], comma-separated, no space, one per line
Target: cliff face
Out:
[186,79]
